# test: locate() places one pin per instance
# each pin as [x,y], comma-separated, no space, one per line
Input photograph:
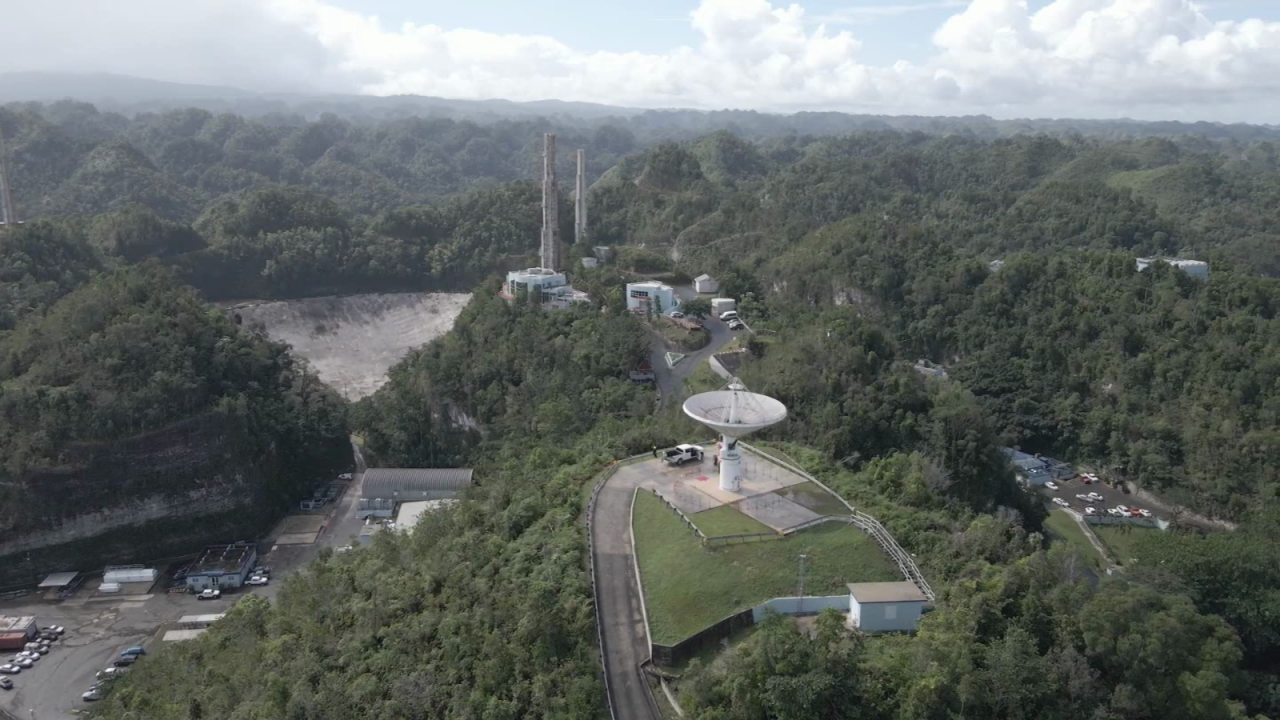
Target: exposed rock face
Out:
[353,341]
[145,498]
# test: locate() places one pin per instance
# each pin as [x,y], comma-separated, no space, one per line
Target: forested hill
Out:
[1166,380]
[138,423]
[132,96]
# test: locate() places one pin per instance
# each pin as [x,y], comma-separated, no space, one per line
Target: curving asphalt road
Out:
[622,631]
[670,381]
[625,644]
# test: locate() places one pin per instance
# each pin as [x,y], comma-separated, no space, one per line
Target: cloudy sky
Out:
[1150,59]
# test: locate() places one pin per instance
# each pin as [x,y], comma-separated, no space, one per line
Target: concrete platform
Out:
[776,511]
[696,487]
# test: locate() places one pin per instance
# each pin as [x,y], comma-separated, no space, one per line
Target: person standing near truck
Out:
[655,451]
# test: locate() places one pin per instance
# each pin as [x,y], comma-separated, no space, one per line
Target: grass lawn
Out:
[1121,540]
[703,379]
[1063,528]
[727,520]
[815,498]
[688,587]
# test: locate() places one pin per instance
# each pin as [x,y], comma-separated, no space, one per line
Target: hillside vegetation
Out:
[857,255]
[131,354]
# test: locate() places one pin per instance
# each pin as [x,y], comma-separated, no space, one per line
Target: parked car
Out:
[209,594]
[1051,485]
[262,570]
[1086,499]
[1115,512]
[39,649]
[344,476]
[32,656]
[682,454]
[345,549]
[1088,478]
[10,669]
[737,325]
[55,629]
[256,580]
[728,315]
[1091,510]
[1144,513]
[91,696]
[6,684]
[135,650]
[22,662]
[1061,502]
[1096,497]
[676,314]
[125,661]
[1124,509]
[109,673]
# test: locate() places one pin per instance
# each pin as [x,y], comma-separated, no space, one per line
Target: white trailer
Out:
[723,305]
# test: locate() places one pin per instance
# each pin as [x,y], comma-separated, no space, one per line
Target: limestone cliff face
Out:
[148,497]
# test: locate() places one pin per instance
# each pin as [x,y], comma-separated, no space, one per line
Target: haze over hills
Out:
[131,95]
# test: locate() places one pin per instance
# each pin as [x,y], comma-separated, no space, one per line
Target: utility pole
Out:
[800,592]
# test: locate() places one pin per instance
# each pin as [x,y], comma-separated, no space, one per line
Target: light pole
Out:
[800,594]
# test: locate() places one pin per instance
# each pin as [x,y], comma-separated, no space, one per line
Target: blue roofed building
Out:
[1036,470]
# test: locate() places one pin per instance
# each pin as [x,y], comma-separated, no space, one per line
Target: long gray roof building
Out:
[415,483]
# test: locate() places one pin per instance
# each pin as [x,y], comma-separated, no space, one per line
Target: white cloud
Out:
[866,13]
[1144,58]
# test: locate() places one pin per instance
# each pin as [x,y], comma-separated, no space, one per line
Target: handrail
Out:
[591,559]
[873,527]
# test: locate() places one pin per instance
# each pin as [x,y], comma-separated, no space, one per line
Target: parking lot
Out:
[99,626]
[1111,497]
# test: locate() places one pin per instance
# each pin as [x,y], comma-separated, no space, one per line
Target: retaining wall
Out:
[800,605]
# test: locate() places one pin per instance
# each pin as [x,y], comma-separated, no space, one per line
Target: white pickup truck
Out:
[682,454]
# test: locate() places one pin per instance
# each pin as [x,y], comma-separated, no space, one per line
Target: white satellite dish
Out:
[733,413]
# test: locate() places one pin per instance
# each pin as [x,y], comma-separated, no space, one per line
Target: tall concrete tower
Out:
[550,205]
[580,200]
[8,216]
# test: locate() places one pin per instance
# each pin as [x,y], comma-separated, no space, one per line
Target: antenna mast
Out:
[8,216]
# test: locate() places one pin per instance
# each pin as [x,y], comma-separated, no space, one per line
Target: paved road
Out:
[99,627]
[670,381]
[618,599]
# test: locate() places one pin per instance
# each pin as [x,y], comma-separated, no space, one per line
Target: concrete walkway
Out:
[622,630]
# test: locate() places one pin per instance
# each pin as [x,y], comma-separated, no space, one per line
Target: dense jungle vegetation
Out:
[856,255]
[133,351]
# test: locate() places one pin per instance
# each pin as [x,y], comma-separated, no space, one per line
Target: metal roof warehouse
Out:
[409,483]
[382,488]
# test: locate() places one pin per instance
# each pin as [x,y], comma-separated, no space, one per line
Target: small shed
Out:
[885,606]
[704,283]
[383,488]
[16,631]
[590,262]
[129,574]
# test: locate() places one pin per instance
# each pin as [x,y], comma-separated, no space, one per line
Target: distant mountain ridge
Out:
[131,95]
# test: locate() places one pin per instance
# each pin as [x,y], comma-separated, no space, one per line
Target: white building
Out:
[885,606]
[1197,269]
[546,287]
[706,284]
[652,297]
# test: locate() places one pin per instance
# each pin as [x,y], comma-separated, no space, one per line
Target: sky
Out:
[1216,60]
